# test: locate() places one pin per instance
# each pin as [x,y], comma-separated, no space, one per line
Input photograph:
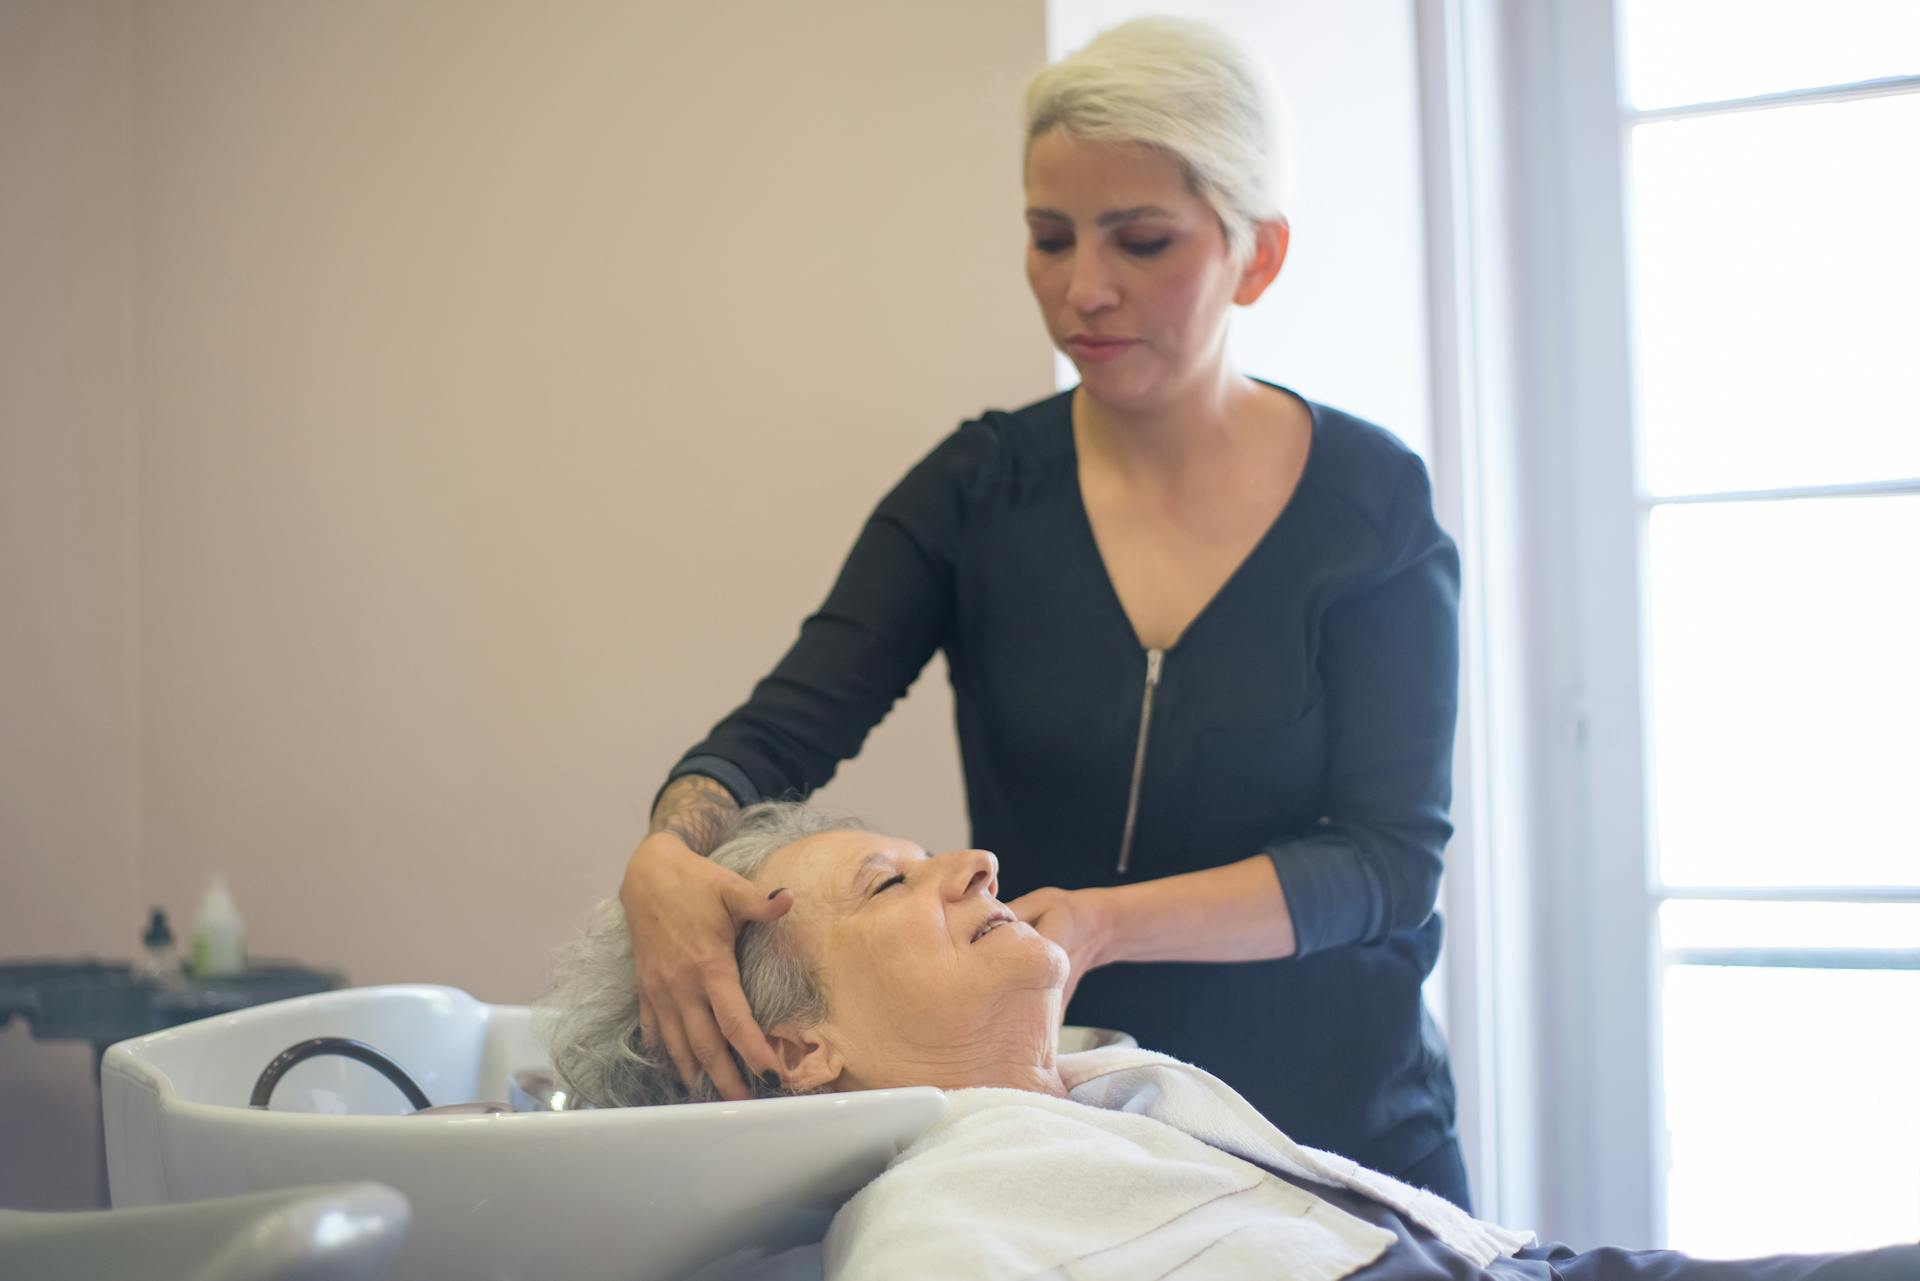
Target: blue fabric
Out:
[1417,1256]
[1308,712]
[1559,1263]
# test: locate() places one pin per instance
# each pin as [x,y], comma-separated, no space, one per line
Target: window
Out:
[1774,275]
[1756,521]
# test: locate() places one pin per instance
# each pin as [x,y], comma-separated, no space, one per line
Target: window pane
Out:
[1879,926]
[1792,1118]
[1775,278]
[1678,51]
[1784,670]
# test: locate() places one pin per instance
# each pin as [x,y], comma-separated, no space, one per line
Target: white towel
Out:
[1143,1173]
[1202,1105]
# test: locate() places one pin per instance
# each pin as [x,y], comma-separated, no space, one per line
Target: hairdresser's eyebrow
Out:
[1114,217]
[1111,218]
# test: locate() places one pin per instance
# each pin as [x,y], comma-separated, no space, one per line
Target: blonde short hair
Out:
[1191,90]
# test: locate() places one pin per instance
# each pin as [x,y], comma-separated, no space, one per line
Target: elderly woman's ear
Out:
[808,1062]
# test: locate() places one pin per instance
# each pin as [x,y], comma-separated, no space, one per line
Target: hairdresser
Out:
[1202,637]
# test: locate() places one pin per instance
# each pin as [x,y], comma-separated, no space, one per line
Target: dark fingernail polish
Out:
[777,893]
[770,1079]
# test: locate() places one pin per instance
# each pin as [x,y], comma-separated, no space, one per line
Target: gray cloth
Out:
[1416,1256]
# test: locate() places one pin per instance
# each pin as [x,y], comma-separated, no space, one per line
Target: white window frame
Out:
[1607,1031]
[1554,968]
[1551,995]
[1490,992]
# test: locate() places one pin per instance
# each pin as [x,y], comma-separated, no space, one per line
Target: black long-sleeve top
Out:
[1307,713]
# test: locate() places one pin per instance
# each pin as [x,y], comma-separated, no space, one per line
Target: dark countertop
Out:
[105,1001]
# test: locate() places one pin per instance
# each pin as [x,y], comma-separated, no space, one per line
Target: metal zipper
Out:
[1154,656]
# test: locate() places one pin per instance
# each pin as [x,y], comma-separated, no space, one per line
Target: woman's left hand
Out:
[1072,919]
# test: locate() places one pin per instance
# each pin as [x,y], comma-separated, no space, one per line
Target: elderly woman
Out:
[895,967]
[1203,645]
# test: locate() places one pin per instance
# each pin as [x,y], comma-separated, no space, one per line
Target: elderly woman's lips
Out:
[989,926]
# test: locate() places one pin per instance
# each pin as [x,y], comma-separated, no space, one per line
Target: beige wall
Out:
[69,812]
[513,381]
[510,381]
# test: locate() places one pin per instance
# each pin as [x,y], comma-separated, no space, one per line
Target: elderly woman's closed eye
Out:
[895,967]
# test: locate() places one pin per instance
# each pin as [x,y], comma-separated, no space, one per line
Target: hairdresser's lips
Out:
[1098,350]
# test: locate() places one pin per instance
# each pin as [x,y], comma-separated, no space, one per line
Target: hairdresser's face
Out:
[915,950]
[1130,268]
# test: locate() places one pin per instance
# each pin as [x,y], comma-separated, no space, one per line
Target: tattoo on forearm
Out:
[697,810]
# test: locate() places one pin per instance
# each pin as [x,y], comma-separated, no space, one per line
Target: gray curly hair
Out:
[590,1011]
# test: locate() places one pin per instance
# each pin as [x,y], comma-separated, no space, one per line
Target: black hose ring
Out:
[344,1047]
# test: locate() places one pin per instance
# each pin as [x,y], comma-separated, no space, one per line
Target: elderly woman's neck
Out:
[1012,1052]
[967,1068]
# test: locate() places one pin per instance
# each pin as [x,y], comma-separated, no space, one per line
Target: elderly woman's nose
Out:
[970,872]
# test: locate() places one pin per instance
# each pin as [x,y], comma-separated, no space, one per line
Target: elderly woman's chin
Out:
[1025,964]
[1049,959]
[1043,967]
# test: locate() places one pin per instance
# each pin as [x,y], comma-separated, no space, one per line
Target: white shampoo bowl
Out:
[345,1233]
[629,1193]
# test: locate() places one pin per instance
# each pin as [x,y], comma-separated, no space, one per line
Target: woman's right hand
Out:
[683,916]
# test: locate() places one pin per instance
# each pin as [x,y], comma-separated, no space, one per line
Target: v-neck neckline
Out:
[1259,544]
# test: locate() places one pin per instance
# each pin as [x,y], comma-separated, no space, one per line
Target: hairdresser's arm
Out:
[690,911]
[696,809]
[1232,913]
